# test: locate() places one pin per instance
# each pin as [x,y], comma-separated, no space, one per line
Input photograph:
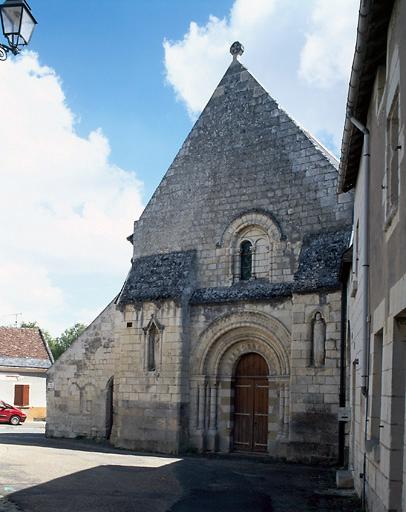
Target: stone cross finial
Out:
[236,49]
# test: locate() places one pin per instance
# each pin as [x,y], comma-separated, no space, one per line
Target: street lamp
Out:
[18,25]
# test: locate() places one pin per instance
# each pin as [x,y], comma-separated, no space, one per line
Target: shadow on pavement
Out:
[188,485]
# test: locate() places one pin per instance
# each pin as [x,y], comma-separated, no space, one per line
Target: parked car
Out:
[10,414]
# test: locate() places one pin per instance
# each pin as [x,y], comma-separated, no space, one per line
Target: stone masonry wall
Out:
[244,154]
[315,391]
[77,382]
[303,416]
[245,172]
[150,403]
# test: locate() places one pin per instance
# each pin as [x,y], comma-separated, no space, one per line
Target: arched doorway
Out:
[251,388]
[109,407]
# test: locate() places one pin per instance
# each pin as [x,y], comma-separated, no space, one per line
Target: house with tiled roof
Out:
[24,360]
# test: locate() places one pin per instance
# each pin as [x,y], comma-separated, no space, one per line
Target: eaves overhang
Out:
[370,53]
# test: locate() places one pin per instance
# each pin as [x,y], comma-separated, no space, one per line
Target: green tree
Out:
[65,340]
[61,343]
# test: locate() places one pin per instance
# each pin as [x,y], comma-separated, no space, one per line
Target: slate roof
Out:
[168,276]
[320,260]
[24,347]
[244,290]
[160,276]
[319,270]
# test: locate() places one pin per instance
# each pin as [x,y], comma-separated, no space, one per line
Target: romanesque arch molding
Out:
[226,358]
[230,336]
[261,218]
[263,232]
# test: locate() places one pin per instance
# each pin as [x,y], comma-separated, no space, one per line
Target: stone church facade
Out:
[226,333]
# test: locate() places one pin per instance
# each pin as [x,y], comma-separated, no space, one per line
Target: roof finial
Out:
[236,49]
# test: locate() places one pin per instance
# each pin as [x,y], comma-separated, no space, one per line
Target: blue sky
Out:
[110,57]
[102,102]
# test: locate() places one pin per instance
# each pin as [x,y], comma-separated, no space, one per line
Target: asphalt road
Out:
[45,475]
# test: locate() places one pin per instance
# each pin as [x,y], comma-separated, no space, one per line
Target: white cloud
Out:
[195,63]
[287,47]
[329,47]
[65,209]
[29,293]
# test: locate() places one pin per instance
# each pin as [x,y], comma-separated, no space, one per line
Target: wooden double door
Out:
[251,390]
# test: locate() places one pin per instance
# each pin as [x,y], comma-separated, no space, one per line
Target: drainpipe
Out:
[342,395]
[365,288]
[365,257]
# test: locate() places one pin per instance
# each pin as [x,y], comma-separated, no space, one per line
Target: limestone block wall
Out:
[150,406]
[303,399]
[77,384]
[378,427]
[219,335]
[245,165]
[274,258]
[315,388]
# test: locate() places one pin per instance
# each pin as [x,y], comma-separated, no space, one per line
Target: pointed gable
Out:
[243,152]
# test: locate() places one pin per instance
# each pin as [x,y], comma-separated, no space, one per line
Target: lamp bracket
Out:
[4,49]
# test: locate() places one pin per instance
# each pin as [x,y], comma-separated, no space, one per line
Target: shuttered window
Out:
[21,395]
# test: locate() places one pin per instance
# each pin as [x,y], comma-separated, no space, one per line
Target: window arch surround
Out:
[153,345]
[263,232]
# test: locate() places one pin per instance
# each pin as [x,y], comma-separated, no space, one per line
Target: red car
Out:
[10,414]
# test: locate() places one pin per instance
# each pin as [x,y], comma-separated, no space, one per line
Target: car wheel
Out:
[15,420]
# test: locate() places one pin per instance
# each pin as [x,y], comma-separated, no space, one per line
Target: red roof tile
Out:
[22,343]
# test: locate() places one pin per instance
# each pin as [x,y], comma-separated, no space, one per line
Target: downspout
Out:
[365,288]
[342,395]
[365,257]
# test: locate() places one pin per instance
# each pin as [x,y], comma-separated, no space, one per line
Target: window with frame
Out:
[21,395]
[246,260]
[392,159]
[151,348]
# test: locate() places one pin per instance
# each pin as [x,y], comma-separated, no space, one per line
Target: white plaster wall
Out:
[357,400]
[37,383]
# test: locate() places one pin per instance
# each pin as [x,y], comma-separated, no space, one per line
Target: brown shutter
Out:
[18,395]
[21,395]
[26,395]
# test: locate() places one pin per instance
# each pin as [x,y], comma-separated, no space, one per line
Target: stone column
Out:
[212,410]
[213,407]
[201,416]
[285,388]
[282,404]
[202,406]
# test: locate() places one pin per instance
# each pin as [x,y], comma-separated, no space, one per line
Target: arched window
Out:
[246,260]
[152,340]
